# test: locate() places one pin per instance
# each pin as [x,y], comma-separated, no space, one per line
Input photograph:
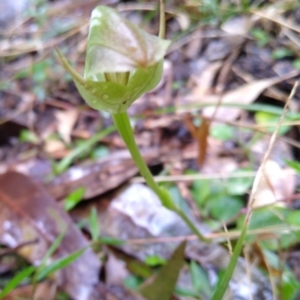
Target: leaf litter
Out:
[219,66]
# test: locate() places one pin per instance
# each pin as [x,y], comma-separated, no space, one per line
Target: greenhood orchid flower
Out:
[122,62]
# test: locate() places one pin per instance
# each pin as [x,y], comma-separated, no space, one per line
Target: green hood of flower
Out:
[116,46]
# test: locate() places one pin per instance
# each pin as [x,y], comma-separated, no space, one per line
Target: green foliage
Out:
[222,132]
[261,36]
[84,147]
[200,280]
[94,224]
[44,269]
[223,207]
[294,165]
[289,285]
[100,152]
[154,260]
[132,282]
[238,186]
[226,276]
[74,198]
[280,53]
[296,64]
[59,264]
[16,280]
[177,198]
[27,136]
[219,200]
[272,217]
[111,241]
[263,118]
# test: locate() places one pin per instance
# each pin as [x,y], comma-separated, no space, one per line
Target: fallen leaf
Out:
[65,123]
[276,184]
[28,213]
[204,81]
[244,95]
[55,148]
[238,25]
[97,177]
[163,284]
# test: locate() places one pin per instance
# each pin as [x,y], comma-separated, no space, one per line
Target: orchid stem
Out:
[123,125]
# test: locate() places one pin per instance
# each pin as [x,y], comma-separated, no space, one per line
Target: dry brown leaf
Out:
[244,95]
[97,177]
[200,134]
[238,25]
[194,46]
[205,81]
[65,123]
[29,213]
[55,148]
[276,184]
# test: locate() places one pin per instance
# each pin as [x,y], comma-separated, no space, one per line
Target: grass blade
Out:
[224,280]
[66,161]
[59,264]
[16,280]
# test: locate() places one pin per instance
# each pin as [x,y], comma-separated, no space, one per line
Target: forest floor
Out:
[72,202]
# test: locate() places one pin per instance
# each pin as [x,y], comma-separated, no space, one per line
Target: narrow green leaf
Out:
[49,253]
[54,246]
[74,198]
[223,207]
[199,279]
[67,161]
[294,165]
[94,224]
[111,241]
[164,282]
[225,279]
[154,260]
[59,264]
[16,280]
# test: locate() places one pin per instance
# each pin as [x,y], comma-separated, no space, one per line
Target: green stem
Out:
[123,125]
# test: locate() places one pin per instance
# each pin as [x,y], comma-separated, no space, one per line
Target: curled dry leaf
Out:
[275,185]
[28,213]
[243,95]
[238,25]
[65,123]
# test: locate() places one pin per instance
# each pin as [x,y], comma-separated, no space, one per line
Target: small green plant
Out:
[45,269]
[73,198]
[261,36]
[119,69]
[122,63]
